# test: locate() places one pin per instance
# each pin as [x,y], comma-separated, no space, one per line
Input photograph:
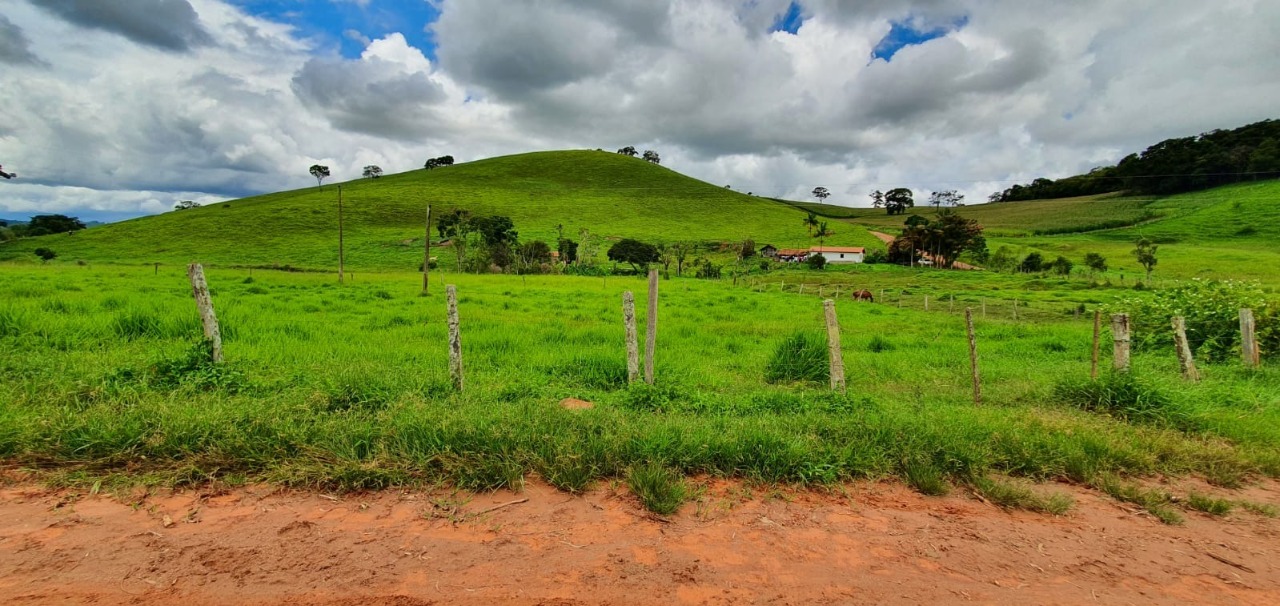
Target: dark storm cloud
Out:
[167,24]
[15,48]
[370,96]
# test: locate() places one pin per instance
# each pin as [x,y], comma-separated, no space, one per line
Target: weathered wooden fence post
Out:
[651,327]
[926,302]
[1249,339]
[1185,360]
[633,345]
[973,355]
[834,355]
[341,252]
[1120,342]
[1015,309]
[1097,337]
[455,337]
[426,254]
[204,304]
[984,308]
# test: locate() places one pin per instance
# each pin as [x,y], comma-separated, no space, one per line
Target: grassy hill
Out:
[611,195]
[1227,232]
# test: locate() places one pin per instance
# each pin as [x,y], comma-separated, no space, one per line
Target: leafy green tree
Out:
[629,150]
[372,171]
[1095,262]
[456,225]
[748,249]
[949,197]
[533,254]
[680,251]
[1145,251]
[815,262]
[320,172]
[568,251]
[42,225]
[1062,266]
[877,199]
[634,252]
[496,230]
[898,200]
[821,194]
[1005,259]
[186,205]
[45,254]
[944,238]
[652,156]
[1034,263]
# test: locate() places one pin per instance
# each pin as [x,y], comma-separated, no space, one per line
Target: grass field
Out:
[348,387]
[611,195]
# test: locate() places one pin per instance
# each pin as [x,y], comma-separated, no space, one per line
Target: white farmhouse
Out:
[840,254]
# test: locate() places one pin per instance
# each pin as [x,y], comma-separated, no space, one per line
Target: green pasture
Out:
[348,387]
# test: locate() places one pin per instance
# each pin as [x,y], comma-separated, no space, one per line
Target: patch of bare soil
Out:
[871,543]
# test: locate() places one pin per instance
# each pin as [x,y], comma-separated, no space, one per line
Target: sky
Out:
[110,110]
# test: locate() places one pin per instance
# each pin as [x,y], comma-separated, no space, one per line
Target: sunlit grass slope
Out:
[612,195]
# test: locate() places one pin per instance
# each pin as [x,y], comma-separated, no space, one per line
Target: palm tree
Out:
[822,232]
[810,222]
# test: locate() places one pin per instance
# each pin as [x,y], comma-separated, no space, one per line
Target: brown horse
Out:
[863,295]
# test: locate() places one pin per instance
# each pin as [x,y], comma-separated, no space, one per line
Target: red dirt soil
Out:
[872,543]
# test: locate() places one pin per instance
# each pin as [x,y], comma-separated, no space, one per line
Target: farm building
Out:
[840,254]
[792,255]
[769,251]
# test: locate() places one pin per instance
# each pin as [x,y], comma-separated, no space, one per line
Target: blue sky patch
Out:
[330,21]
[903,34]
[789,21]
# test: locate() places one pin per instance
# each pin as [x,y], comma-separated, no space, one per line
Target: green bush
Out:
[801,357]
[661,490]
[816,262]
[1123,396]
[1211,308]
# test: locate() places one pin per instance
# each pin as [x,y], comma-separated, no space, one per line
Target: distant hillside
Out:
[1212,159]
[613,196]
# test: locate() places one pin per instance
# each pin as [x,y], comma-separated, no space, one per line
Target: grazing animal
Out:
[7,175]
[863,295]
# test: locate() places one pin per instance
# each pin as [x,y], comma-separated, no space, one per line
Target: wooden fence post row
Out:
[633,346]
[205,305]
[455,337]
[834,356]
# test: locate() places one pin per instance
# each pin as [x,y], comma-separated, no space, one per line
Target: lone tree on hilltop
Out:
[949,197]
[186,204]
[652,156]
[821,194]
[372,171]
[1145,251]
[7,175]
[320,172]
[629,150]
[877,199]
[898,200]
[634,252]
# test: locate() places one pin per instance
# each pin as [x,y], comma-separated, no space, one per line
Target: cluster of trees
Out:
[438,162]
[39,225]
[649,155]
[895,201]
[1006,259]
[186,205]
[1172,166]
[943,239]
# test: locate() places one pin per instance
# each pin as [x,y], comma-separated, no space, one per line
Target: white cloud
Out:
[237,104]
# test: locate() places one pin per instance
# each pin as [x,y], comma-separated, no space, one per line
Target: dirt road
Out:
[874,544]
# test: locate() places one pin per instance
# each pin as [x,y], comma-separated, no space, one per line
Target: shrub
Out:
[1211,308]
[195,368]
[801,357]
[816,262]
[45,254]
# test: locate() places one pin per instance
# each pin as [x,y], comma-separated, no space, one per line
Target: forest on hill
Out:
[1173,166]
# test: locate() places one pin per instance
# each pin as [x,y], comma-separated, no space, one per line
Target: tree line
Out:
[1173,166]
